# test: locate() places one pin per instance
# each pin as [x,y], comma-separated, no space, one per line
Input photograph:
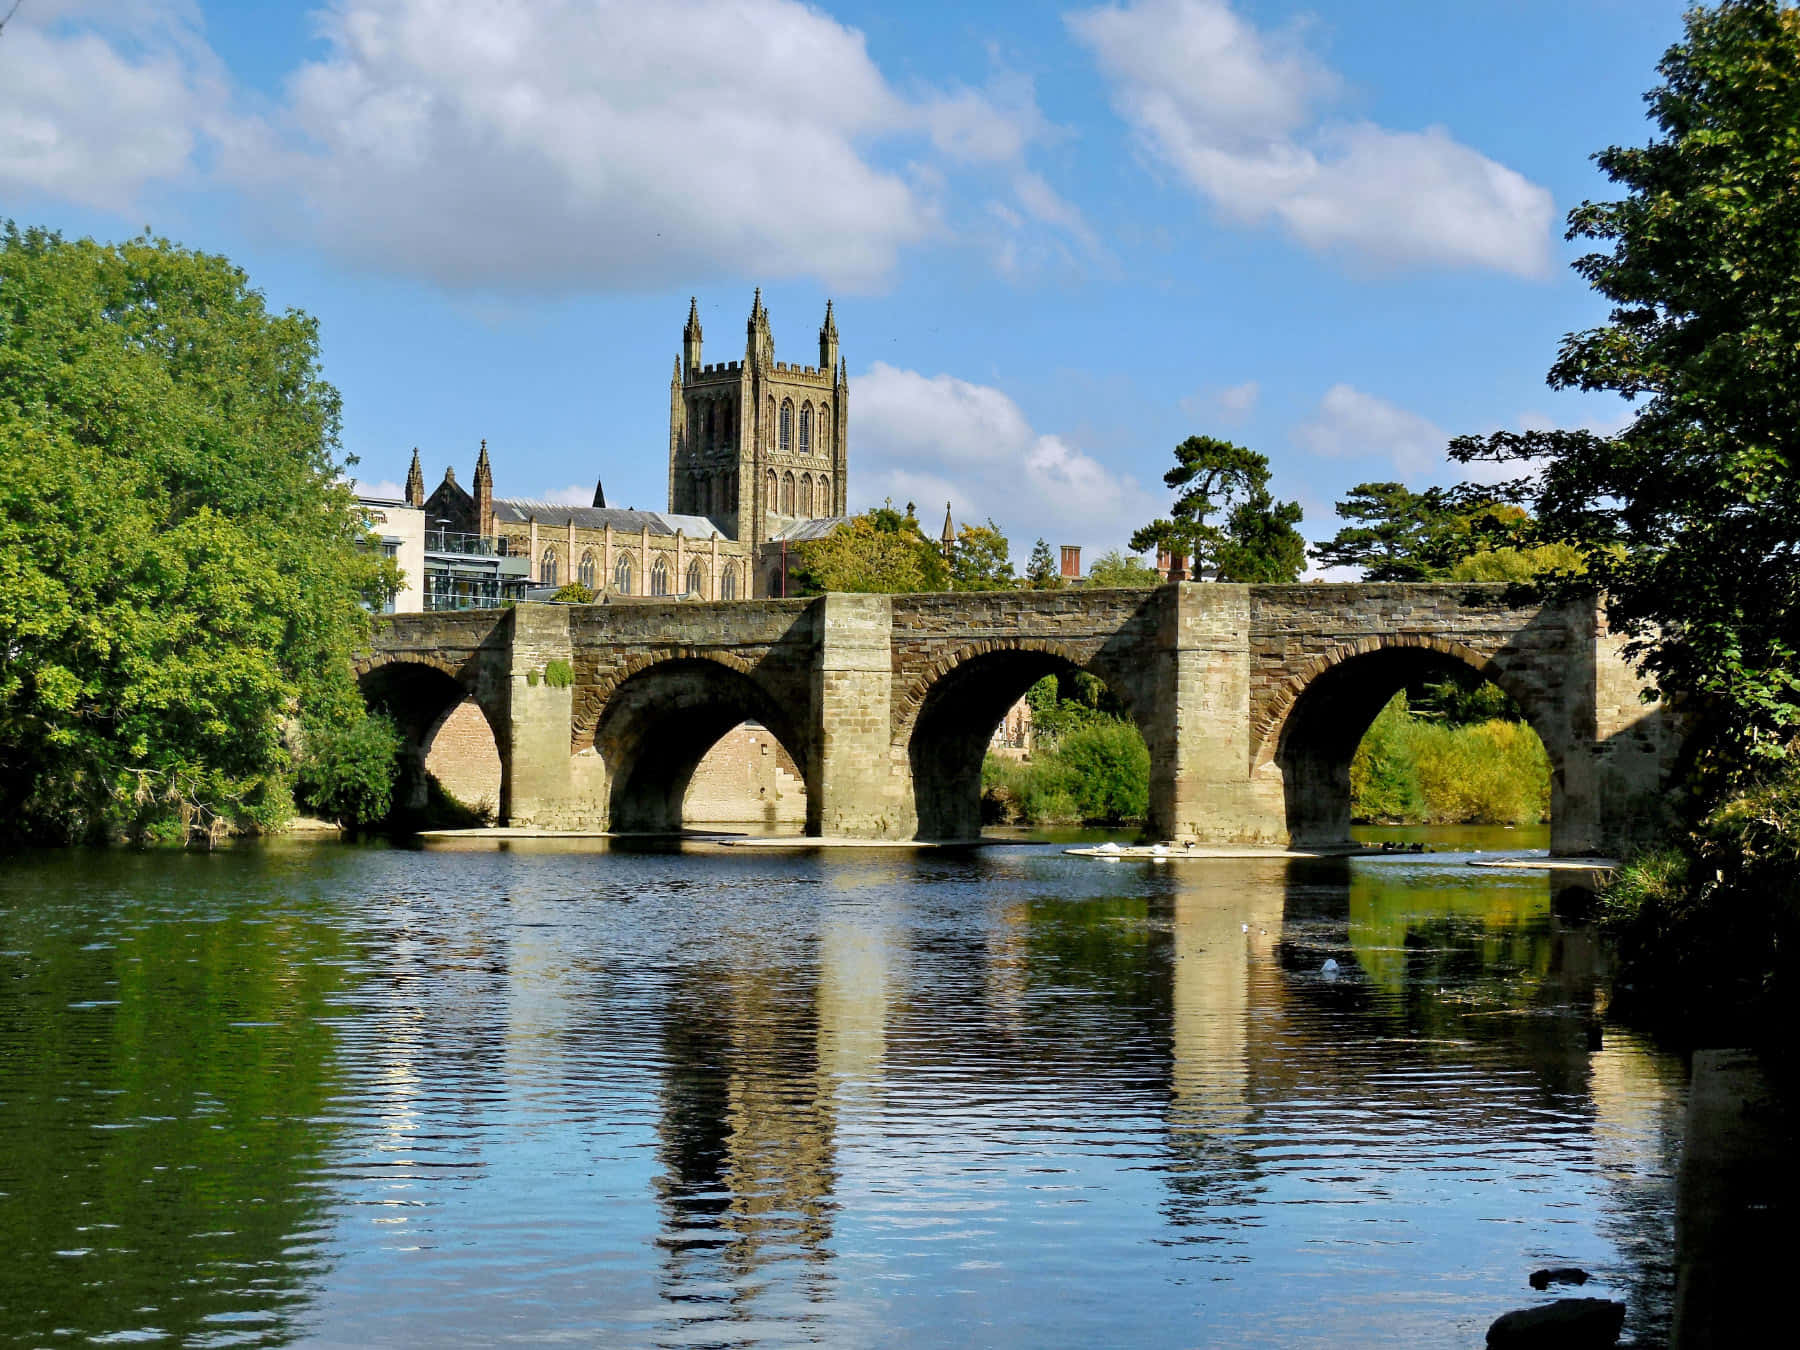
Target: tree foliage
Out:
[182,569]
[1700,491]
[1041,571]
[981,560]
[1397,534]
[880,551]
[1255,538]
[1120,570]
[346,773]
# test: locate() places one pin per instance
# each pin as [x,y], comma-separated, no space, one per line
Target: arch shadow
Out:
[1320,730]
[948,737]
[659,723]
[420,696]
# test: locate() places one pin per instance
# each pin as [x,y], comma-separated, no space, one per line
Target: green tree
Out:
[1401,535]
[880,551]
[1255,540]
[1700,491]
[981,561]
[182,569]
[1117,569]
[1040,570]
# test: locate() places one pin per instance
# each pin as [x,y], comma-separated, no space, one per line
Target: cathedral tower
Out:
[757,445]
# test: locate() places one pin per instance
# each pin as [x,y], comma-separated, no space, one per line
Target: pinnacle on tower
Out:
[690,339]
[828,341]
[415,482]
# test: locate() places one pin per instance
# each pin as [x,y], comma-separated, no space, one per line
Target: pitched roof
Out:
[520,511]
[799,531]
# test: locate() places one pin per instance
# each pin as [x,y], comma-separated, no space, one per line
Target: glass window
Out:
[659,577]
[696,578]
[806,430]
[549,573]
[622,574]
[728,583]
[787,427]
[588,569]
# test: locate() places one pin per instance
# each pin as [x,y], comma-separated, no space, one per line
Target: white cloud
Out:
[386,488]
[932,438]
[612,142]
[575,494]
[1351,424]
[97,100]
[1233,111]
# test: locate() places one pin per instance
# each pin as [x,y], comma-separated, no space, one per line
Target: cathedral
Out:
[758,459]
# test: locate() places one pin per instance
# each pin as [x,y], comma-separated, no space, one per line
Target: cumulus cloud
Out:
[1234,112]
[934,438]
[1352,424]
[98,100]
[611,142]
[1233,403]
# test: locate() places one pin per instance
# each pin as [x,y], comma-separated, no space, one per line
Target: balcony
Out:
[464,545]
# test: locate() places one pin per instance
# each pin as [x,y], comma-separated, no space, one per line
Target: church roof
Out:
[521,511]
[799,531]
[694,527]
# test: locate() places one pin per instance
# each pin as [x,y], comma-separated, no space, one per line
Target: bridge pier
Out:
[862,788]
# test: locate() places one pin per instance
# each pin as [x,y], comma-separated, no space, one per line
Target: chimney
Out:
[1071,562]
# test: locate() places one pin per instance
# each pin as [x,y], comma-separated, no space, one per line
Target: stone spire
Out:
[599,492]
[759,351]
[948,537]
[828,342]
[484,493]
[690,337]
[415,482]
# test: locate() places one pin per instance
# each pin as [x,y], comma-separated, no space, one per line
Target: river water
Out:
[699,1096]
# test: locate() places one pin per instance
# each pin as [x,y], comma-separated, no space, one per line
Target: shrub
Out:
[1417,772]
[347,773]
[573,594]
[1107,768]
[559,674]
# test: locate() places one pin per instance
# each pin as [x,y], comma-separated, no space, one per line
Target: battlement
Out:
[718,368]
[803,372]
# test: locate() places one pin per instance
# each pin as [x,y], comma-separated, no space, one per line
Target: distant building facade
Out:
[758,461]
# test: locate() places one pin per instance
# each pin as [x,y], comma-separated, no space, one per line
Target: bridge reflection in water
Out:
[1251,699]
[702,1097]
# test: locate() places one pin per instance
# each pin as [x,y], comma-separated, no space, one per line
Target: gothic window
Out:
[806,495]
[728,583]
[547,574]
[622,574]
[774,501]
[769,427]
[696,578]
[824,431]
[826,505]
[787,494]
[587,569]
[787,426]
[659,577]
[806,430]
[703,496]
[709,425]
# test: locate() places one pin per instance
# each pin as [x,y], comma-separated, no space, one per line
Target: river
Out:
[696,1095]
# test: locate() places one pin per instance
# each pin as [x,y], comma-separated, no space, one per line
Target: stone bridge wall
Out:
[1247,697]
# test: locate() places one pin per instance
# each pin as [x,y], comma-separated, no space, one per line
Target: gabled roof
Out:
[799,531]
[520,511]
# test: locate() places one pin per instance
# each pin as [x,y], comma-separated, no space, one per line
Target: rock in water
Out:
[1543,1279]
[1567,1324]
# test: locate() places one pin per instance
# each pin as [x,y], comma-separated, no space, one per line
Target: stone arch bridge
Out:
[1252,699]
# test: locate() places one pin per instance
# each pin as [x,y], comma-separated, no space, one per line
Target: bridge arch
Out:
[1320,713]
[946,719]
[659,719]
[421,692]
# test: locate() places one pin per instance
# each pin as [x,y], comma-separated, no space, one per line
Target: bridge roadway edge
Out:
[1225,681]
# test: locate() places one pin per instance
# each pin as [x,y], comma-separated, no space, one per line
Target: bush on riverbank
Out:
[1707,928]
[1411,771]
[1098,772]
[347,773]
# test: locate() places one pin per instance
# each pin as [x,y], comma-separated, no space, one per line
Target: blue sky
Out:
[1059,239]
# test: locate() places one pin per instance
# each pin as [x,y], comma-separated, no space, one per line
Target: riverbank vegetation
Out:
[1412,770]
[1088,764]
[1688,518]
[183,572]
